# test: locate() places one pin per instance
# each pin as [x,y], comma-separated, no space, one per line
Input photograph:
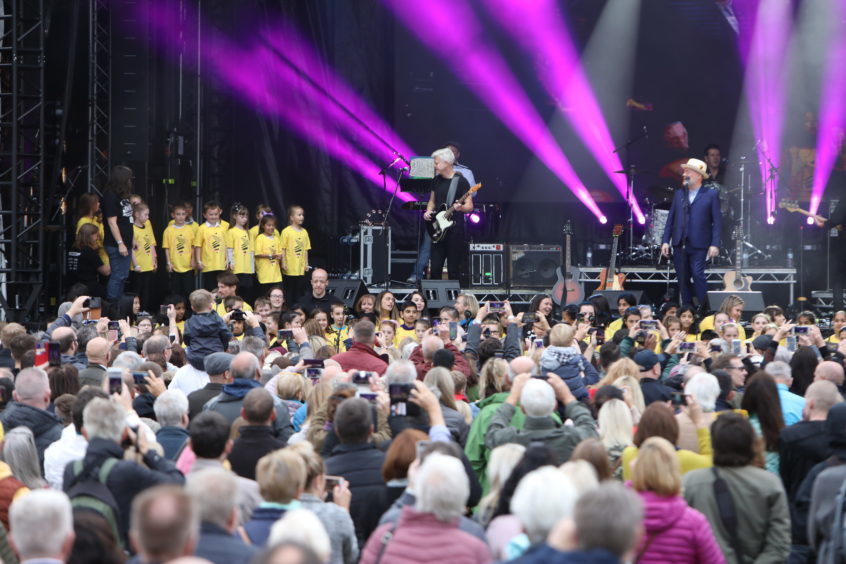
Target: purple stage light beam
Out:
[766,85]
[465,50]
[540,30]
[832,115]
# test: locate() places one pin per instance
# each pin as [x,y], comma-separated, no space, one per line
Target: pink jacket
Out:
[681,534]
[419,538]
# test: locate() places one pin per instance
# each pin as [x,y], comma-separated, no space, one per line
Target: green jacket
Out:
[475,448]
[561,439]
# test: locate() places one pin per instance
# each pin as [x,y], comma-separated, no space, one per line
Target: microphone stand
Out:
[630,174]
[385,227]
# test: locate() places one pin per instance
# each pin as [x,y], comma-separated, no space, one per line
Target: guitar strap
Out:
[453,188]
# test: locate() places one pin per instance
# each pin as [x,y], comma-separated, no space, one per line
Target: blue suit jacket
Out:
[700,221]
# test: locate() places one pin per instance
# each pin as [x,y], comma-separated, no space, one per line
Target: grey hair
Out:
[170,407]
[779,370]
[155,345]
[445,155]
[542,498]
[31,384]
[303,527]
[430,345]
[36,512]
[129,360]
[215,492]
[248,372]
[104,419]
[408,349]
[20,454]
[705,389]
[537,398]
[401,372]
[442,487]
[609,517]
[253,345]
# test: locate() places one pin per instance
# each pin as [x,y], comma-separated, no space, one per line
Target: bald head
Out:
[245,365]
[820,397]
[831,371]
[520,365]
[66,337]
[431,344]
[32,388]
[97,351]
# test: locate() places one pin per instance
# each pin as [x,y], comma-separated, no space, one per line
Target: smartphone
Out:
[736,346]
[715,348]
[435,322]
[41,354]
[115,380]
[453,330]
[318,362]
[529,317]
[163,311]
[93,303]
[647,324]
[600,337]
[801,329]
[363,377]
[140,379]
[687,347]
[54,355]
[113,332]
[332,481]
[678,399]
[538,343]
[286,334]
[496,307]
[313,373]
[791,343]
[369,396]
[400,394]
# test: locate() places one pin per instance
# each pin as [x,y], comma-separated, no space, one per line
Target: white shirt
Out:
[70,446]
[466,173]
[188,379]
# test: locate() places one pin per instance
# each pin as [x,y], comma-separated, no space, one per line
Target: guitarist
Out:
[836,189]
[447,186]
[693,229]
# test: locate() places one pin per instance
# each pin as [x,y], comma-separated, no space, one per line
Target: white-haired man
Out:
[792,405]
[32,398]
[704,389]
[538,399]
[172,414]
[41,524]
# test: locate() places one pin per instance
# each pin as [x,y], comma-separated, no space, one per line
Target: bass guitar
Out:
[609,278]
[567,289]
[793,207]
[735,280]
[442,219]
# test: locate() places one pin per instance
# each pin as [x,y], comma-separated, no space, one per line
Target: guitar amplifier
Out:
[534,266]
[487,264]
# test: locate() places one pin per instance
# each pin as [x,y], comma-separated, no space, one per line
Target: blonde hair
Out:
[492,377]
[292,386]
[657,468]
[729,303]
[201,300]
[633,386]
[440,378]
[281,475]
[501,463]
[581,473]
[561,335]
[316,397]
[619,368]
[616,427]
[313,462]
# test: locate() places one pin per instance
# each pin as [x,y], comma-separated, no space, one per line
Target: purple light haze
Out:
[832,115]
[257,76]
[475,218]
[765,84]
[466,51]
[537,25]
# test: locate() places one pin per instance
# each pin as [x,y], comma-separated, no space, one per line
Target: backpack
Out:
[88,492]
[838,540]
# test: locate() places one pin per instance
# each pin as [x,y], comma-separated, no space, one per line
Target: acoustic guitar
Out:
[735,280]
[567,289]
[609,278]
[442,220]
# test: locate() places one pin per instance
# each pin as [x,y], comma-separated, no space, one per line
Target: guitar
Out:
[609,278]
[567,289]
[442,221]
[793,207]
[735,280]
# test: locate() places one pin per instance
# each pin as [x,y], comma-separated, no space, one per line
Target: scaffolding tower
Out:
[22,213]
[99,93]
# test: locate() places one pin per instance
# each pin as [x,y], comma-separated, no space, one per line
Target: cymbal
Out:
[633,171]
[414,205]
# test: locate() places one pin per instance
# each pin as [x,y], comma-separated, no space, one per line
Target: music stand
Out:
[419,181]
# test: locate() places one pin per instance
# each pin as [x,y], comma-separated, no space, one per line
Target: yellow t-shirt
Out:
[402,333]
[332,336]
[194,225]
[267,270]
[221,310]
[254,231]
[708,323]
[179,241]
[242,249]
[143,246]
[295,244]
[212,241]
[101,252]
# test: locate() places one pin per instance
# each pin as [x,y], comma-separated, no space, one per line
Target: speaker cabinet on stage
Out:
[533,266]
[440,293]
[347,290]
[487,264]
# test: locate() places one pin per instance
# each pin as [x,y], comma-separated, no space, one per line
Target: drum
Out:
[655,229]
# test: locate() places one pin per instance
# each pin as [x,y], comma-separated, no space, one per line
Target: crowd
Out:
[286,428]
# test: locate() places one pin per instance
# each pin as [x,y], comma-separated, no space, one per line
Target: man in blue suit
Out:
[693,229]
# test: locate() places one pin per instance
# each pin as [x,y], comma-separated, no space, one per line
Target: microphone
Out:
[402,158]
[686,181]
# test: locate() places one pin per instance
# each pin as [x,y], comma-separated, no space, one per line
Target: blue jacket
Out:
[205,333]
[258,527]
[697,224]
[219,547]
[568,363]
[545,554]
[172,440]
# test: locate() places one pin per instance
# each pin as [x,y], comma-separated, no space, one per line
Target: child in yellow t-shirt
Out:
[210,245]
[409,314]
[88,210]
[267,253]
[295,248]
[239,251]
[338,331]
[144,257]
[261,211]
[178,245]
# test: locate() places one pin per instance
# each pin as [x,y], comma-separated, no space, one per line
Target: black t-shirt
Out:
[113,206]
[440,186]
[89,262]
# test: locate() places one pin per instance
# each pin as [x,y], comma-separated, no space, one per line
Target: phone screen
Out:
[115,380]
[453,330]
[54,355]
[113,330]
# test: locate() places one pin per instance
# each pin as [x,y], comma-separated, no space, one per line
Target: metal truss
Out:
[99,93]
[22,212]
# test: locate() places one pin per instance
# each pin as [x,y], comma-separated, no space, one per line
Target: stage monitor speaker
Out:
[753,302]
[440,293]
[347,290]
[487,264]
[613,295]
[534,266]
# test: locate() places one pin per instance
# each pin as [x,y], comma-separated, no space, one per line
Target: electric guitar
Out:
[793,207]
[735,280]
[442,220]
[609,278]
[567,289]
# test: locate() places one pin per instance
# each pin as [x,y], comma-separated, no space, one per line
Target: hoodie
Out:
[205,333]
[475,448]
[569,364]
[46,427]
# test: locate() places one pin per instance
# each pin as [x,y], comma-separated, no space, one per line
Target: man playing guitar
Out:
[447,186]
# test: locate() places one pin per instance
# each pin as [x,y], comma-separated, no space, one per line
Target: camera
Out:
[529,317]
[589,317]
[237,315]
[286,334]
[93,303]
[648,324]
